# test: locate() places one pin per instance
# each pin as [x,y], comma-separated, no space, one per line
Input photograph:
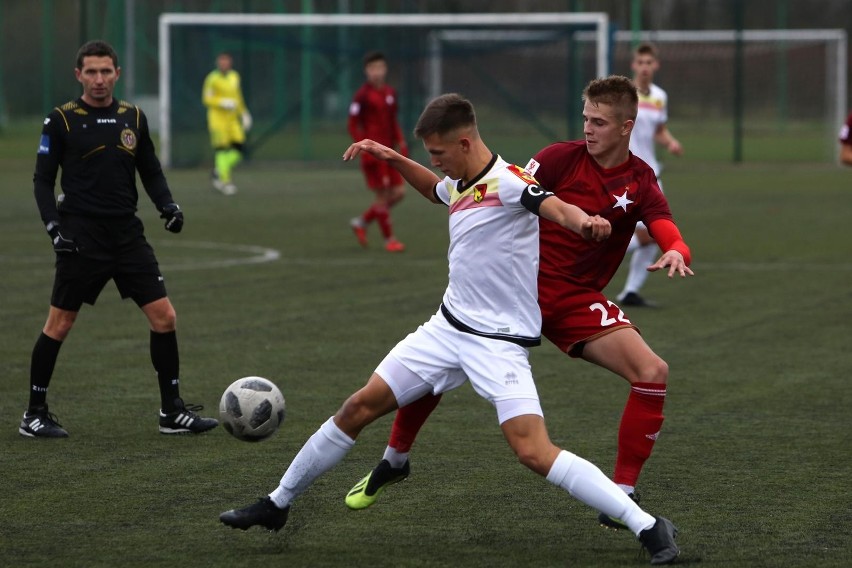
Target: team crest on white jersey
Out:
[479,192]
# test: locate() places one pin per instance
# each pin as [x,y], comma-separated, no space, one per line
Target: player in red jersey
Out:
[373,115]
[846,141]
[602,177]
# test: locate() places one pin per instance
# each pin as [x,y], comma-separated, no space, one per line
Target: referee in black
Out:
[100,143]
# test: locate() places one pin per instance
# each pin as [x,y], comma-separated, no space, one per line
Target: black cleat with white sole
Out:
[264,513]
[185,420]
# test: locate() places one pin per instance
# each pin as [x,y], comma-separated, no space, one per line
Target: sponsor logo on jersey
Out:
[106,121]
[47,121]
[479,192]
[532,167]
[523,174]
[44,144]
[128,139]
[389,100]
[354,109]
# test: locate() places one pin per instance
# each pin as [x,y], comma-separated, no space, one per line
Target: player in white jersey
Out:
[650,129]
[488,318]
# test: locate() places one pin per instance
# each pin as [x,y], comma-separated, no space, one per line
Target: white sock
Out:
[395,458]
[642,258]
[324,450]
[586,482]
[632,245]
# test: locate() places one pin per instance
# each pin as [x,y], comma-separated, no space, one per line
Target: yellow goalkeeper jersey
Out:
[223,97]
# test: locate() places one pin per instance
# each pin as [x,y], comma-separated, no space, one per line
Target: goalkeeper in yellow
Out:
[228,120]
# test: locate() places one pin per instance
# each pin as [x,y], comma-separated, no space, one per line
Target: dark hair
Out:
[617,91]
[96,48]
[646,48]
[373,56]
[444,114]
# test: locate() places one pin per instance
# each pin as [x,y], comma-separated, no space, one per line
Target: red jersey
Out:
[373,115]
[622,195]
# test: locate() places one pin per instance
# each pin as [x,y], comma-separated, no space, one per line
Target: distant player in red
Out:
[602,177]
[846,141]
[373,115]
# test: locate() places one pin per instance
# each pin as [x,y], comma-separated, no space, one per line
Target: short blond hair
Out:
[617,91]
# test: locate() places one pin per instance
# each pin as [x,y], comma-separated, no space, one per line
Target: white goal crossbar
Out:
[496,20]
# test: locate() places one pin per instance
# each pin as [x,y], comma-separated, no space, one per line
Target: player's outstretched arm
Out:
[590,227]
[676,256]
[419,177]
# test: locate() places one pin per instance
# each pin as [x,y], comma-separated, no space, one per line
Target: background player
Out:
[480,337]
[650,129]
[600,175]
[373,114]
[228,120]
[846,141]
[100,143]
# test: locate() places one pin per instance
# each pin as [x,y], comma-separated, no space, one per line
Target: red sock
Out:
[383,219]
[640,426]
[368,215]
[409,419]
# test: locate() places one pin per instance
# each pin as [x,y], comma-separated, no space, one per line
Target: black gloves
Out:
[60,242]
[173,216]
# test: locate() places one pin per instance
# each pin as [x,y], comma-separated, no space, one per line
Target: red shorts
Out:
[573,316]
[379,174]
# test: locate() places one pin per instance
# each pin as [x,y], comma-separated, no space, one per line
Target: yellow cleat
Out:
[365,492]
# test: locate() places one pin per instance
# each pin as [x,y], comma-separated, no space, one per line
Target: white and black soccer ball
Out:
[252,409]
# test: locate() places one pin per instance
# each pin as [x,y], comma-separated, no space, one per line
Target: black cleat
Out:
[184,420]
[366,491]
[659,541]
[39,423]
[635,300]
[263,513]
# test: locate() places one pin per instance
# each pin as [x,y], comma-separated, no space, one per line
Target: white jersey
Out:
[653,111]
[493,255]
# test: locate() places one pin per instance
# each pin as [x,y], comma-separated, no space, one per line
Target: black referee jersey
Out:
[99,151]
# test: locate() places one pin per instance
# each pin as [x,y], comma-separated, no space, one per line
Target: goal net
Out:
[758,95]
[785,101]
[523,72]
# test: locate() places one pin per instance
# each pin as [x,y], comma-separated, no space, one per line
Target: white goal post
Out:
[504,21]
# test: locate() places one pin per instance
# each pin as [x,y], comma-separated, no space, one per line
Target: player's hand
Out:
[227,104]
[675,148]
[173,216]
[674,261]
[61,243]
[247,121]
[595,228]
[370,147]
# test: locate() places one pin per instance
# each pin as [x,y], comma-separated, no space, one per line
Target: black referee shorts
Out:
[109,249]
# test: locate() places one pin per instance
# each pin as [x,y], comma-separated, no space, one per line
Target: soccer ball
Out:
[252,409]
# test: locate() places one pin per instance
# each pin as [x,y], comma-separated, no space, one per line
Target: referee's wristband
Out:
[52,227]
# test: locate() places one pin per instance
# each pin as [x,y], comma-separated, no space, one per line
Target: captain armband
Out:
[533,196]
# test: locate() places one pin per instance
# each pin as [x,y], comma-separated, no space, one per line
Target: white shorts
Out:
[437,358]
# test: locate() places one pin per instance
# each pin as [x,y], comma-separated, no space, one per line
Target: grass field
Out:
[752,464]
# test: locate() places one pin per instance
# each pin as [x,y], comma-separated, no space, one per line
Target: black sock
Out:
[41,368]
[164,356]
